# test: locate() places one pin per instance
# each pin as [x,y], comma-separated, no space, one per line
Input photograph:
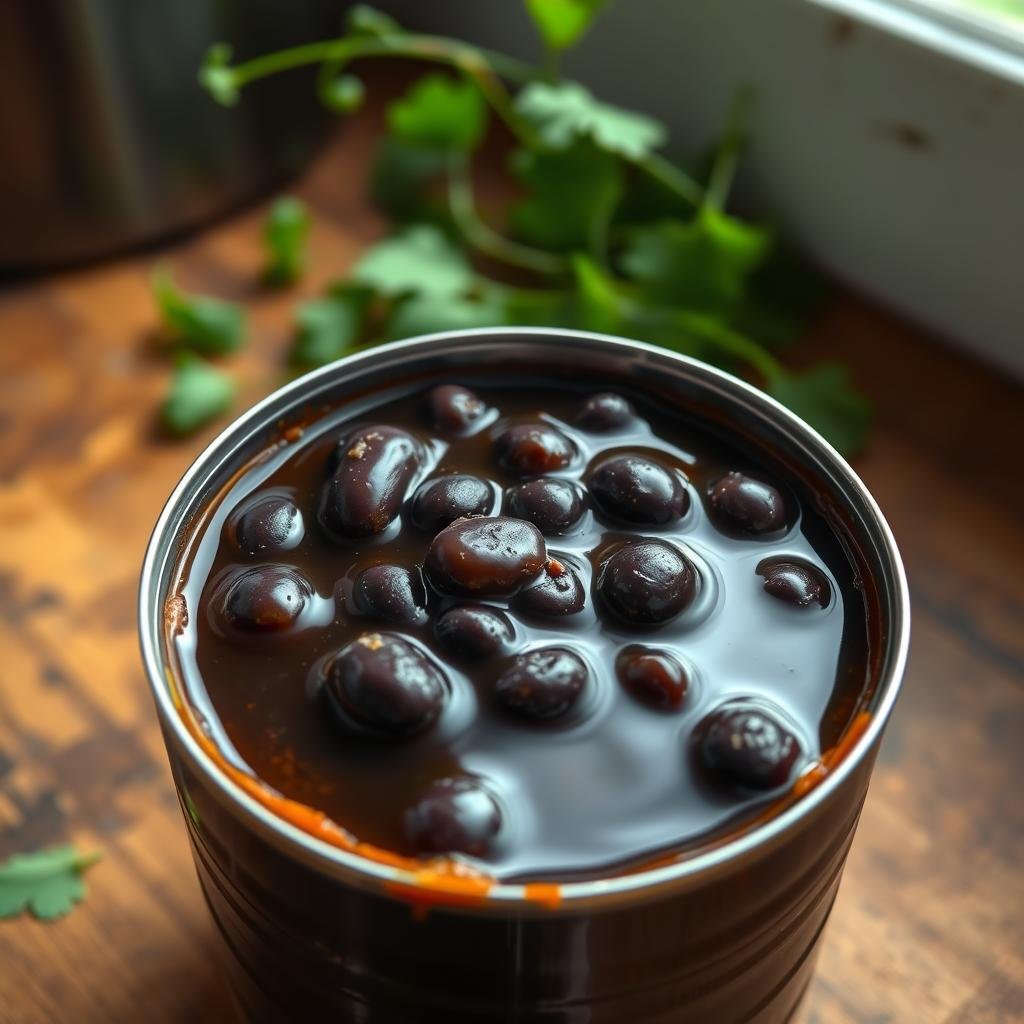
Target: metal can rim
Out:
[354,869]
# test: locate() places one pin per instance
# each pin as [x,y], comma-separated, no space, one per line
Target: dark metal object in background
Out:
[107,139]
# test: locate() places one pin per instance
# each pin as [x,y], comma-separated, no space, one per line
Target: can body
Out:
[728,937]
[740,947]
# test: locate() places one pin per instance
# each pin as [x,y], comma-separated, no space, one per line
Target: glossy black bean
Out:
[636,489]
[374,468]
[486,557]
[380,684]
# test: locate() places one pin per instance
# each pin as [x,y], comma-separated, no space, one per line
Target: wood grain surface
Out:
[929,925]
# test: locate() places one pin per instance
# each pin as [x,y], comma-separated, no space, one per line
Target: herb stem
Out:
[482,237]
[672,177]
[723,168]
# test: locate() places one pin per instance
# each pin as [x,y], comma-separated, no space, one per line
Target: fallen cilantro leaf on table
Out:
[419,259]
[285,234]
[562,22]
[567,112]
[439,111]
[48,883]
[202,323]
[198,393]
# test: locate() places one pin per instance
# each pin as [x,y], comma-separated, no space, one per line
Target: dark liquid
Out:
[615,782]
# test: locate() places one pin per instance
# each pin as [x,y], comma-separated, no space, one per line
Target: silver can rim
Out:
[365,873]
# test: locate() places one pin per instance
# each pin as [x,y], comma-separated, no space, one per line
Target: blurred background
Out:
[885,145]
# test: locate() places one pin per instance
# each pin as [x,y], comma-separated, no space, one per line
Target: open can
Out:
[723,936]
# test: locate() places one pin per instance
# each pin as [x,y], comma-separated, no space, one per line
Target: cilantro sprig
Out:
[608,234]
[48,883]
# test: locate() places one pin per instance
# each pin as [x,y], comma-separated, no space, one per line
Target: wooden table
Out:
[929,926]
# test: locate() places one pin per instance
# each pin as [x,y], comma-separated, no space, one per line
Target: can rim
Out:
[159,561]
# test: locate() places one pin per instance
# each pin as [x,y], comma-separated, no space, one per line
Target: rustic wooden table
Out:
[929,925]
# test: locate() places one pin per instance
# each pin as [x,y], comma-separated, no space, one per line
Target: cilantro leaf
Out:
[199,322]
[562,22]
[328,328]
[439,111]
[401,175]
[823,396]
[566,112]
[702,264]
[599,303]
[48,882]
[424,314]
[285,234]
[418,259]
[217,77]
[567,190]
[198,393]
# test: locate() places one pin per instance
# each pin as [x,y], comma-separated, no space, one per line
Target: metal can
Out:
[724,936]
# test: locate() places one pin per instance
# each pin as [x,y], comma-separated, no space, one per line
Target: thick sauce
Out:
[601,635]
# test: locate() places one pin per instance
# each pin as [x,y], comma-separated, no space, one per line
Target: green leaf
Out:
[204,324]
[328,328]
[562,22]
[48,882]
[440,111]
[599,302]
[198,393]
[364,20]
[420,259]
[425,314]
[285,234]
[401,176]
[824,398]
[568,189]
[703,264]
[216,77]
[343,95]
[566,112]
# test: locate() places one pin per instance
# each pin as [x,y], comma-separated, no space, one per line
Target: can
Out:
[725,936]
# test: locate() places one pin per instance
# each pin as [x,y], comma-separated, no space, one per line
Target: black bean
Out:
[382,685]
[453,409]
[747,747]
[453,816]
[605,411]
[543,684]
[394,593]
[266,524]
[557,592]
[474,631]
[264,599]
[794,581]
[374,468]
[530,449]
[486,557]
[634,489]
[647,582]
[653,677]
[742,506]
[439,502]
[553,506]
